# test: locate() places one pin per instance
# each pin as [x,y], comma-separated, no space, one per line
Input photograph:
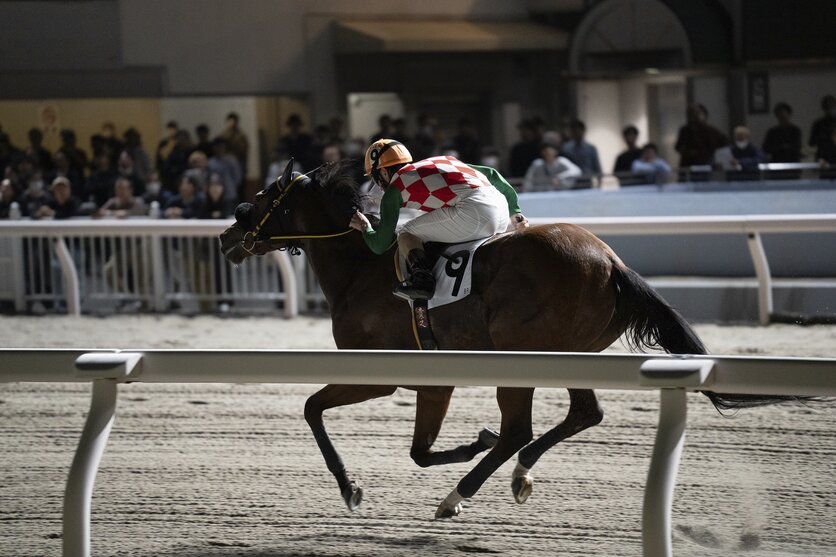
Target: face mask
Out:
[741,144]
[491,161]
[36,186]
[153,188]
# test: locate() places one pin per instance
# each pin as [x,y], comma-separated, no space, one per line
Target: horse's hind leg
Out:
[431,409]
[515,433]
[332,396]
[584,412]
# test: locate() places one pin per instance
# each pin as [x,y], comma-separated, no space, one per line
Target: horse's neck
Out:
[340,263]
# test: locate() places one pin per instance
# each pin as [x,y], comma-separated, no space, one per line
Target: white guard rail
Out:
[752,226]
[672,375]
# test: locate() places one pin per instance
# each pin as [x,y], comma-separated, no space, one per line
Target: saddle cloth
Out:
[452,270]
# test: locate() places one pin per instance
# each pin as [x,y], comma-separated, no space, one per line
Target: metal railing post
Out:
[79,491]
[765,303]
[661,478]
[672,377]
[70,276]
[105,369]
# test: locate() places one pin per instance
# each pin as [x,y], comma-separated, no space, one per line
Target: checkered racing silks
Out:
[436,182]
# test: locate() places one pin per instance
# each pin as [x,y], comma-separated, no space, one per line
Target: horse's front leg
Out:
[584,412]
[432,404]
[332,396]
[514,434]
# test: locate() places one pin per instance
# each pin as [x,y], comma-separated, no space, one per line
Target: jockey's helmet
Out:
[386,152]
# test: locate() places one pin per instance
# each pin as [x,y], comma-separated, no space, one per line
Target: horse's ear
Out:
[288,172]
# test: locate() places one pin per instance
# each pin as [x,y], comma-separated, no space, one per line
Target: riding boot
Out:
[421,283]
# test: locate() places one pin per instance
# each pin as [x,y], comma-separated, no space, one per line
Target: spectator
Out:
[188,202]
[399,131]
[385,128]
[336,132]
[177,161]
[297,144]
[583,154]
[9,155]
[133,146]
[27,167]
[8,195]
[697,139]
[741,159]
[827,157]
[77,157]
[63,168]
[110,143]
[649,168]
[227,166]
[126,168]
[321,139]
[236,141]
[199,168]
[424,144]
[783,142]
[42,157]
[99,186]
[821,133]
[34,196]
[62,203]
[204,143]
[466,142]
[154,191]
[165,145]
[217,206]
[332,154]
[551,171]
[490,157]
[123,204]
[624,161]
[526,150]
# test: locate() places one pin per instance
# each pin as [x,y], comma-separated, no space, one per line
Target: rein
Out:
[253,237]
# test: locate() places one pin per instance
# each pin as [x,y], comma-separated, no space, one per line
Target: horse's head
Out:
[291,209]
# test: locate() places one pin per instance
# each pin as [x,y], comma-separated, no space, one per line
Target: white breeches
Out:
[481,214]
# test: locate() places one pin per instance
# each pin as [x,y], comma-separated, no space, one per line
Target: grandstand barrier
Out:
[673,376]
[157,262]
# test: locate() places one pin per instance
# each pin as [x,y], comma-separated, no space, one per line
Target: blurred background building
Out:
[142,63]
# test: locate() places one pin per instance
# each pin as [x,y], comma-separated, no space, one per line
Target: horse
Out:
[554,287]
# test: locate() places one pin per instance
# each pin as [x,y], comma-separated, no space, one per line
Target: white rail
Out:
[673,376]
[752,226]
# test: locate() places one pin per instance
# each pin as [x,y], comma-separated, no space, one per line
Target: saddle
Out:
[452,270]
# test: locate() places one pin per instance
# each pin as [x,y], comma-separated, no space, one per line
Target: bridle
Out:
[254,237]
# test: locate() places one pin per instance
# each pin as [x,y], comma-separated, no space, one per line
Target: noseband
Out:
[253,237]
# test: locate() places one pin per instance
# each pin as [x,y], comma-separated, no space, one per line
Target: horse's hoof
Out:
[353,496]
[443,511]
[488,437]
[521,486]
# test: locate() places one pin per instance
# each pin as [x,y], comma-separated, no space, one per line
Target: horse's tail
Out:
[650,322]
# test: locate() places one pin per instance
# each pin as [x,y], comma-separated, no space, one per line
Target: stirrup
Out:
[407,290]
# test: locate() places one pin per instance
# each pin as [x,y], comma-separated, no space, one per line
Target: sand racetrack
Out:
[229,470]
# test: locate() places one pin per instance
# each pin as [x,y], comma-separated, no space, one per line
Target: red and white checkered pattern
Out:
[436,182]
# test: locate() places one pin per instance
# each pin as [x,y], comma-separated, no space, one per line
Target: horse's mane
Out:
[345,194]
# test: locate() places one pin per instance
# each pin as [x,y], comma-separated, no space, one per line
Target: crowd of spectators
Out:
[203,177]
[183,178]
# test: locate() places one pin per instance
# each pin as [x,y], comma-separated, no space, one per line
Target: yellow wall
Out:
[85,116]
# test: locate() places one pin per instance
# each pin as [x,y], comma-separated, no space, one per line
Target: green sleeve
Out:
[381,238]
[495,178]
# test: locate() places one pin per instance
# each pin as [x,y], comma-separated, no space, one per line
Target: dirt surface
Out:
[232,470]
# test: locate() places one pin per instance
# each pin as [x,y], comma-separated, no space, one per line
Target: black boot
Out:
[421,283]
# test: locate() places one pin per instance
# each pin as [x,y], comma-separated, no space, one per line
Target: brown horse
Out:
[548,288]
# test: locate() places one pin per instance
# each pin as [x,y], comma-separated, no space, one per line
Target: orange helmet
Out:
[386,152]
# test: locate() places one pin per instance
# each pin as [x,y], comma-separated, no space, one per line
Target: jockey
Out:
[461,203]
